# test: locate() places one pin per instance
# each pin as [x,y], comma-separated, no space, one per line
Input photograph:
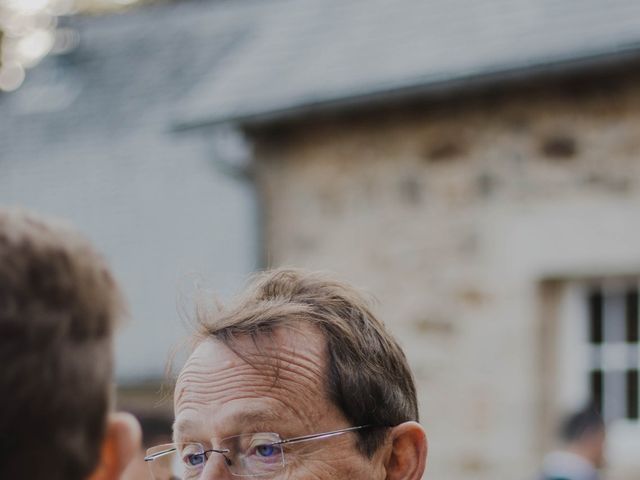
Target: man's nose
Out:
[216,468]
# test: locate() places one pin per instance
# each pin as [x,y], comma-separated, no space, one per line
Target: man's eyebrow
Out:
[180,427]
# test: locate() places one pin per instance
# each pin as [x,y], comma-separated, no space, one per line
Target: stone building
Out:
[476,167]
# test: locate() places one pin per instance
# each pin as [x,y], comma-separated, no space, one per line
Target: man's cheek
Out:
[305,466]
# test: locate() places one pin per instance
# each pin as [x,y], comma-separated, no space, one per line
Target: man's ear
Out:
[121,443]
[407,458]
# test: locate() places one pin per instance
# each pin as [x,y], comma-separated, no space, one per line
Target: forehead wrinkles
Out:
[287,373]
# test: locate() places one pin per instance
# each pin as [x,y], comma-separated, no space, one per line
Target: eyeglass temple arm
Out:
[304,438]
[317,436]
[153,456]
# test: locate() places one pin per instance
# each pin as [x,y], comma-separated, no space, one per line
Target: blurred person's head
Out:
[59,306]
[298,380]
[583,433]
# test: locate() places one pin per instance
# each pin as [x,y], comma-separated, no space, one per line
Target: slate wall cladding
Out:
[87,137]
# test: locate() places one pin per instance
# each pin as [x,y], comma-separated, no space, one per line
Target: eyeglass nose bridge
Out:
[221,451]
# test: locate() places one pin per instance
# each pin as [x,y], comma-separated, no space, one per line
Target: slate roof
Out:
[310,54]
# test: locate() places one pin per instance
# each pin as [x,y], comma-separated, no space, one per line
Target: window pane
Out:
[632,316]
[615,395]
[632,395]
[595,316]
[614,318]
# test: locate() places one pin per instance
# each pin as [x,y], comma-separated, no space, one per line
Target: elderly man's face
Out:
[220,395]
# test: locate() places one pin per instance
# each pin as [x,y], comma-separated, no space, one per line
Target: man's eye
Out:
[195,459]
[266,450]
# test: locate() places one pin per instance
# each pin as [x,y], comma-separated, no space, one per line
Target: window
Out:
[598,358]
[614,351]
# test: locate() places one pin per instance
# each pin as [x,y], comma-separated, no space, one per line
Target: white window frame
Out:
[575,360]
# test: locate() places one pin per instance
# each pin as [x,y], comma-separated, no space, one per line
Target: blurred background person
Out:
[583,451]
[59,306]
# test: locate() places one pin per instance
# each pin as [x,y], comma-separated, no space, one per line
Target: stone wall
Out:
[454,214]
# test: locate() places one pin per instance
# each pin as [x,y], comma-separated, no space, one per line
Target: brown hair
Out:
[58,306]
[368,377]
